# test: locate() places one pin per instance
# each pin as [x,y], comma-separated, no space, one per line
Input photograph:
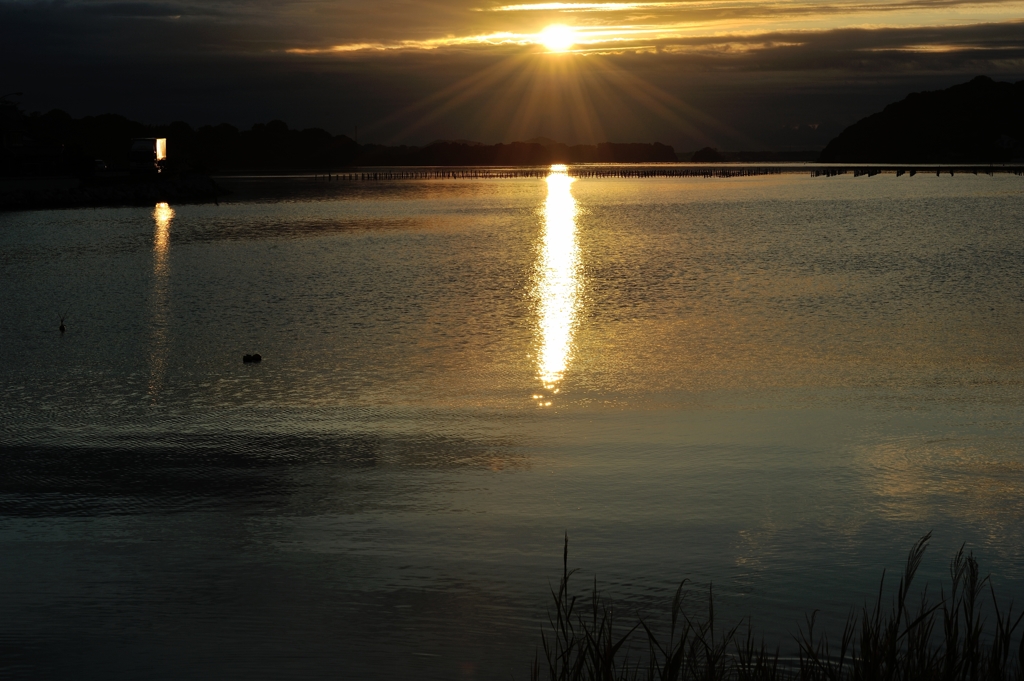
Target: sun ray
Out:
[450,97]
[522,100]
[567,96]
[669,108]
[527,114]
[586,114]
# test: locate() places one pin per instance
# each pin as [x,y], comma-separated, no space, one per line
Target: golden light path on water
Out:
[558,283]
[163,215]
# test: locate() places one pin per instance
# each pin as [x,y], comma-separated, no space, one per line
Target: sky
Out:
[735,74]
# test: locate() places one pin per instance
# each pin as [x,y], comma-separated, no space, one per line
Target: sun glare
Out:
[558,283]
[557,38]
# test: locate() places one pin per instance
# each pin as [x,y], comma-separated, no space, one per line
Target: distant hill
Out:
[981,121]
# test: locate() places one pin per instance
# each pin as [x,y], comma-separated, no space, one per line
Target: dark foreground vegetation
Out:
[960,635]
[981,121]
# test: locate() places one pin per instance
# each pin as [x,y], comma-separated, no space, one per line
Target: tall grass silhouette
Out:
[954,638]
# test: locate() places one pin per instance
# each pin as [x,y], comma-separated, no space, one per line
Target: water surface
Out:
[774,383]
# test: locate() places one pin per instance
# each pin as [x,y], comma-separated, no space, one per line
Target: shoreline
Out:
[41,193]
[35,193]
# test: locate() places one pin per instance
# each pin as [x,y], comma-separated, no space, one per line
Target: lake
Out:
[775,384]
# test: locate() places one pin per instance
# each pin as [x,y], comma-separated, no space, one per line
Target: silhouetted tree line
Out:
[981,121]
[707,155]
[55,143]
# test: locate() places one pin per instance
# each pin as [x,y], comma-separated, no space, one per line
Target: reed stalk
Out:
[965,635]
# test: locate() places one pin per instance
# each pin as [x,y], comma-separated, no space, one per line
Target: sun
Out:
[557,38]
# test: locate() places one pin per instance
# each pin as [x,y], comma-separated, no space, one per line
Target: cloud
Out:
[140,10]
[585,6]
[802,49]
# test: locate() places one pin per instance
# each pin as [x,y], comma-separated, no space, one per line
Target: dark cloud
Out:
[138,10]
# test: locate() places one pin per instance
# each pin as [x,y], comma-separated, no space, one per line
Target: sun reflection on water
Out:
[558,283]
[163,215]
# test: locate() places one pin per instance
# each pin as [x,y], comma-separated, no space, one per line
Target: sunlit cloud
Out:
[503,38]
[939,48]
[351,47]
[586,27]
[733,47]
[686,37]
[574,72]
[585,6]
[762,8]
[553,38]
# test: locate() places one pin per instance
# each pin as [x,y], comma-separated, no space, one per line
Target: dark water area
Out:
[773,383]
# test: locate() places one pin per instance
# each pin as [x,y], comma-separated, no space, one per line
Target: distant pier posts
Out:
[720,171]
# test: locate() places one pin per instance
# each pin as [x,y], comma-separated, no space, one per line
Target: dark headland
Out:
[981,121]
